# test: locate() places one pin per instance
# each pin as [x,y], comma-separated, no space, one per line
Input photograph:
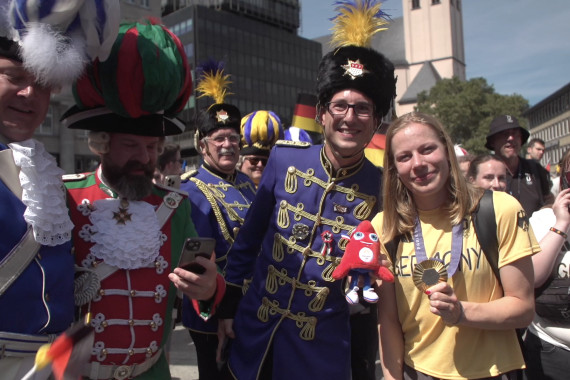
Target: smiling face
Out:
[492,175]
[23,102]
[220,149]
[422,164]
[347,135]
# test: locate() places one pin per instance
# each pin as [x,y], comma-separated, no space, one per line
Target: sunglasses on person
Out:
[256,160]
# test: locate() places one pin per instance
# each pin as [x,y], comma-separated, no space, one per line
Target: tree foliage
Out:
[467,108]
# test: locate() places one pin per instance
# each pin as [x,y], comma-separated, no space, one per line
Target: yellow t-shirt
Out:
[451,352]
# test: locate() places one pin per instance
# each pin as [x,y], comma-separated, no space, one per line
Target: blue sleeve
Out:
[242,255]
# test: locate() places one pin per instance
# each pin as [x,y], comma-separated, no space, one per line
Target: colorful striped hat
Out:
[139,89]
[260,130]
[55,39]
[297,134]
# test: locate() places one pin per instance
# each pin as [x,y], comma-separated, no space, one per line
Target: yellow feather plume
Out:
[357,22]
[214,84]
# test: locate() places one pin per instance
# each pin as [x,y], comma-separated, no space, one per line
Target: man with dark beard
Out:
[129,233]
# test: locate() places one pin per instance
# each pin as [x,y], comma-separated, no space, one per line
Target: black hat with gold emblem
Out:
[213,83]
[353,64]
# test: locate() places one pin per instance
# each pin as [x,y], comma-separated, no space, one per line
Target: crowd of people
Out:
[478,245]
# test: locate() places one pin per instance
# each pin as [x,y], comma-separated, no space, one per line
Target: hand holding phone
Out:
[194,247]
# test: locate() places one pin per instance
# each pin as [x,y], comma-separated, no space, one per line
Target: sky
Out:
[518,46]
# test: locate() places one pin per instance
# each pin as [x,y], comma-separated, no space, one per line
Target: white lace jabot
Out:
[43,193]
[132,244]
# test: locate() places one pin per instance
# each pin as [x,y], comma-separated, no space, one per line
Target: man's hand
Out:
[201,287]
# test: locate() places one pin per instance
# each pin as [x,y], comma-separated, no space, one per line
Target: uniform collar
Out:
[341,173]
[226,177]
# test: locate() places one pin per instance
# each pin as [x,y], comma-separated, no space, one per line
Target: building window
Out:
[46,127]
[415,4]
[434,2]
[145,3]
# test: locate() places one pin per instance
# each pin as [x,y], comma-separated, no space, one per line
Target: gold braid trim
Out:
[207,191]
[277,278]
[283,216]
[291,180]
[293,247]
[337,225]
[278,254]
[306,324]
[214,195]
[362,210]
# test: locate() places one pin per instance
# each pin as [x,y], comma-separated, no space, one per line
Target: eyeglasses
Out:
[256,160]
[219,140]
[341,108]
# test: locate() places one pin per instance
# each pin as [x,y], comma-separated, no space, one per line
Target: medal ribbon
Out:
[456,246]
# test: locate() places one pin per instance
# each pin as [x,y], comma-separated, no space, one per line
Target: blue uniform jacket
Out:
[292,304]
[40,301]
[219,204]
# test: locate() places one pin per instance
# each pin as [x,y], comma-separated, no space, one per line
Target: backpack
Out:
[552,299]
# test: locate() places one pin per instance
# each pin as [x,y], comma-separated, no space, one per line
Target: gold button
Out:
[153,325]
[131,352]
[156,295]
[101,292]
[291,169]
[133,293]
[104,351]
[105,324]
[131,322]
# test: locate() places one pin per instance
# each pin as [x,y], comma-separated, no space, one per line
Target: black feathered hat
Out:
[213,83]
[219,115]
[353,64]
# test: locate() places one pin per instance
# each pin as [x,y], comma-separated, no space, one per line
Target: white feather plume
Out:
[54,59]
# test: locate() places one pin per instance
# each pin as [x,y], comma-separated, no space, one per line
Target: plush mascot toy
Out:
[361,257]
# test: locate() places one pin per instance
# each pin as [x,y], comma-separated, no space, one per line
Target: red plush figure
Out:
[362,256]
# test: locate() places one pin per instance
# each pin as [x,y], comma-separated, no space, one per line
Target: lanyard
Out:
[456,246]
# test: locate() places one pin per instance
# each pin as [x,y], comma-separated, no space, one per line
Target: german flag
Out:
[68,354]
[375,149]
[305,113]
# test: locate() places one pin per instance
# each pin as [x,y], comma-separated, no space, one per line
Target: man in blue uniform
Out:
[293,320]
[220,196]
[36,270]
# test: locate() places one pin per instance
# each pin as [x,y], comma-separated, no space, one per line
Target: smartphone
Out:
[194,247]
[172,181]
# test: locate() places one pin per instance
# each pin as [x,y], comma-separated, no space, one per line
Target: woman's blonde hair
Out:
[399,207]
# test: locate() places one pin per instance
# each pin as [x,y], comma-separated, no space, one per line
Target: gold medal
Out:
[428,273]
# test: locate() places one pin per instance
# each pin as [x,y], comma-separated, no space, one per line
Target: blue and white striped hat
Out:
[55,39]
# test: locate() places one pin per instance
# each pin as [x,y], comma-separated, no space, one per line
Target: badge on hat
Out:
[222,116]
[354,69]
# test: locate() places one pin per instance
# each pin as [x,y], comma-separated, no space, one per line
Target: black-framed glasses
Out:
[219,140]
[256,160]
[341,108]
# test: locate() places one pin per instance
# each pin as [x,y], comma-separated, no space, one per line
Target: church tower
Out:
[434,48]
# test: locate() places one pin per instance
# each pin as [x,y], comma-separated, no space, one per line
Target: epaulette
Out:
[297,144]
[172,189]
[189,174]
[73,177]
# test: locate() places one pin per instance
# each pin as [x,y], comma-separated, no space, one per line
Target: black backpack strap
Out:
[485,226]
[392,248]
